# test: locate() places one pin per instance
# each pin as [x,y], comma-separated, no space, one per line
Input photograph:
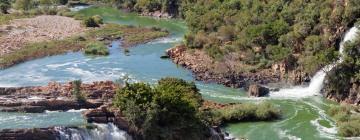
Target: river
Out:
[304,114]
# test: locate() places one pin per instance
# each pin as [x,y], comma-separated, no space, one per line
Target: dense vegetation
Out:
[173,7]
[167,111]
[242,112]
[348,122]
[264,32]
[171,110]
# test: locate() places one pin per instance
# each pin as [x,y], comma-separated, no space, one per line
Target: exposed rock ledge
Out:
[205,69]
[54,97]
[30,134]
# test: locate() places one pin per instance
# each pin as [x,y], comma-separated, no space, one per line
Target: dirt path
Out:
[41,28]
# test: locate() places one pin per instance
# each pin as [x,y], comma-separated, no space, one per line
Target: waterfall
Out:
[317,80]
[99,132]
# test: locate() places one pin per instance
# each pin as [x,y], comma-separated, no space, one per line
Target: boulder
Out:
[256,90]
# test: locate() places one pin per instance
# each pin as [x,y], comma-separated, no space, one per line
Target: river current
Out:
[304,112]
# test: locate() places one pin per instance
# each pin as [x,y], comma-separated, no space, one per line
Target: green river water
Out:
[304,116]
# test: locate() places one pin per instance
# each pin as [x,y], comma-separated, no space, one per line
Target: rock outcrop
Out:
[54,97]
[206,69]
[256,90]
[29,134]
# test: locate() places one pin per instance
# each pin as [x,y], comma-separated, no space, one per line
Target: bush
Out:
[24,4]
[76,91]
[250,112]
[94,21]
[166,111]
[347,122]
[4,6]
[96,48]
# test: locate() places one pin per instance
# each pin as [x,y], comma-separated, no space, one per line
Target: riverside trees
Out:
[172,110]
[280,28]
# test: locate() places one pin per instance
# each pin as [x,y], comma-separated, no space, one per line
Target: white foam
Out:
[284,134]
[324,131]
[79,110]
[58,65]
[166,40]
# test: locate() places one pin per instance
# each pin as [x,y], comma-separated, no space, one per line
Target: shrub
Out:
[94,21]
[250,112]
[347,122]
[96,48]
[76,91]
[166,111]
[24,4]
[4,6]
[349,129]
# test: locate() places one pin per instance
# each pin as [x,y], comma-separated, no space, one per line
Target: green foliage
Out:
[281,27]
[167,111]
[25,4]
[278,53]
[76,91]
[94,21]
[247,111]
[5,5]
[96,48]
[172,7]
[347,122]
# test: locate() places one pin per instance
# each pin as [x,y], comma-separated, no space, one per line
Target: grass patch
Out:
[96,48]
[41,49]
[348,123]
[129,35]
[243,113]
[6,18]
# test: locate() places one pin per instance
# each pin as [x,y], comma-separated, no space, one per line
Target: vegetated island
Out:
[46,35]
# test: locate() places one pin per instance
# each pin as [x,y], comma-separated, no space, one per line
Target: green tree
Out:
[24,4]
[76,91]
[4,6]
[167,111]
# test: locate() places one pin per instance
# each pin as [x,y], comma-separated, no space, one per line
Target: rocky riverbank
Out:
[54,97]
[41,28]
[206,69]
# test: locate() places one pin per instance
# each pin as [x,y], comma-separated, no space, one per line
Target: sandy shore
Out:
[47,27]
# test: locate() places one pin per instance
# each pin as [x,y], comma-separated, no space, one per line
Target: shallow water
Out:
[304,116]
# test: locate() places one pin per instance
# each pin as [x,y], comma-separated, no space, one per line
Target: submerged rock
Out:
[256,90]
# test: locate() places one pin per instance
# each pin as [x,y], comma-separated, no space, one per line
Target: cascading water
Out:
[317,81]
[100,132]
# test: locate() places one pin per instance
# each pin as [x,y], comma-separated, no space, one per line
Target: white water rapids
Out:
[317,80]
[100,132]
